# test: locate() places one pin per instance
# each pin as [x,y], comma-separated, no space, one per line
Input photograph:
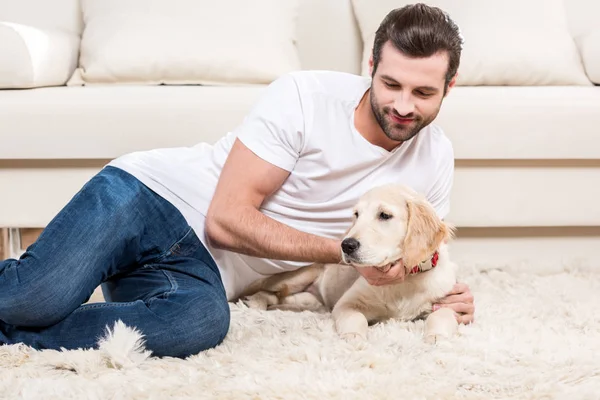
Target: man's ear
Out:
[451,84]
[424,234]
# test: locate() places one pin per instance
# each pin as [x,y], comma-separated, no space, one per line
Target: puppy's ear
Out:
[425,232]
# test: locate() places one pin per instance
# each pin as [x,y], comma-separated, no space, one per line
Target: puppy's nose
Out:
[350,245]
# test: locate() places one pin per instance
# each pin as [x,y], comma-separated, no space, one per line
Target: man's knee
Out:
[34,304]
[194,332]
[220,326]
[31,312]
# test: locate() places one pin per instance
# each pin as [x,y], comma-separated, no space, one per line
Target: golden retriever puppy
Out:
[391,222]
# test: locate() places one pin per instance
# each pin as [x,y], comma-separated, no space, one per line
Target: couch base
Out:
[506,215]
[486,193]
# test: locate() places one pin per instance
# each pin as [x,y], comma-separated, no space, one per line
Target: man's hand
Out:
[461,301]
[383,276]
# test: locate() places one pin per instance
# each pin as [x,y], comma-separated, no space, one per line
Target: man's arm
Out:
[235,223]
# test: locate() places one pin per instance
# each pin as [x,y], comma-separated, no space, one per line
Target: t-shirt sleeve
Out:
[274,128]
[439,195]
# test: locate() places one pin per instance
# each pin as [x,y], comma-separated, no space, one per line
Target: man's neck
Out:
[367,125]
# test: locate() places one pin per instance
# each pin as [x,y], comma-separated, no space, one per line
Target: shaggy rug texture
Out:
[536,336]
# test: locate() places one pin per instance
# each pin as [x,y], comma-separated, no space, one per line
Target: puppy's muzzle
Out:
[350,245]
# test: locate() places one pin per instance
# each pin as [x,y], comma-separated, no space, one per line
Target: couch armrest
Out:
[35,57]
[589,45]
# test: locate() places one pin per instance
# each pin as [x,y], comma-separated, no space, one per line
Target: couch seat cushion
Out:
[104,122]
[543,122]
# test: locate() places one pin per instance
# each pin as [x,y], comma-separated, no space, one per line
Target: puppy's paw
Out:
[260,300]
[440,326]
[436,338]
[252,302]
[432,338]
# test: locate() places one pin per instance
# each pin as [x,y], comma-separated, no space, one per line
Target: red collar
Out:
[425,266]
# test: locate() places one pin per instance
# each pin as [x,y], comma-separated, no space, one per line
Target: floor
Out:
[535,336]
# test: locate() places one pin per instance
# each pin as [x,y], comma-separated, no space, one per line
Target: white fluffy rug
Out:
[536,336]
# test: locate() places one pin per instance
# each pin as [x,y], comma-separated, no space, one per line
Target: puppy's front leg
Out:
[440,324]
[350,322]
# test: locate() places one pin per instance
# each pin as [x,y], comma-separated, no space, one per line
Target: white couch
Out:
[527,154]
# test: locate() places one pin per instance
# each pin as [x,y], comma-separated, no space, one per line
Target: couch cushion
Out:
[55,14]
[523,122]
[510,42]
[582,15]
[328,36]
[327,33]
[104,122]
[589,44]
[35,57]
[187,41]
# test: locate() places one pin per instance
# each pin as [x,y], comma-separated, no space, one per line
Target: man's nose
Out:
[404,105]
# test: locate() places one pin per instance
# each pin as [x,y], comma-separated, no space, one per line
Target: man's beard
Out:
[394,130]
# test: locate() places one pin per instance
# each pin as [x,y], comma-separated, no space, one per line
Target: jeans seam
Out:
[101,305]
[169,251]
[165,295]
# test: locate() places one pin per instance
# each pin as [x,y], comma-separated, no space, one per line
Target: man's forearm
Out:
[248,231]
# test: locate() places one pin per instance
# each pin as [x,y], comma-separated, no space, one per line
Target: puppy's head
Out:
[393,222]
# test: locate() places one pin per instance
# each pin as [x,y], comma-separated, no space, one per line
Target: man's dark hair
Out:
[419,30]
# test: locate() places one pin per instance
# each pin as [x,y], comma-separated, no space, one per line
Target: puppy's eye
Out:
[384,216]
[356,214]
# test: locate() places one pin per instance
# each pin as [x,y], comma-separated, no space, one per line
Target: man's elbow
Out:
[216,233]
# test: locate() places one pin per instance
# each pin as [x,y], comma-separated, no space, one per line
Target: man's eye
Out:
[423,94]
[391,85]
[384,216]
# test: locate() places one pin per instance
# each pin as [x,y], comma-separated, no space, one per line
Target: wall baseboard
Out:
[536,254]
[536,249]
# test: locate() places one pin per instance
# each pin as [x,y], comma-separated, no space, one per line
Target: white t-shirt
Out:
[303,123]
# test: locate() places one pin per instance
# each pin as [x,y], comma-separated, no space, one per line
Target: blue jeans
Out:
[155,273]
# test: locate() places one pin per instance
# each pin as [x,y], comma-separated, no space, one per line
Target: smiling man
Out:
[174,233]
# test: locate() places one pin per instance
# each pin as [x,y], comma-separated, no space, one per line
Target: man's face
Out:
[406,93]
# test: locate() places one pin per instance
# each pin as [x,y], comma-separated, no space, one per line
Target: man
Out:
[172,234]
